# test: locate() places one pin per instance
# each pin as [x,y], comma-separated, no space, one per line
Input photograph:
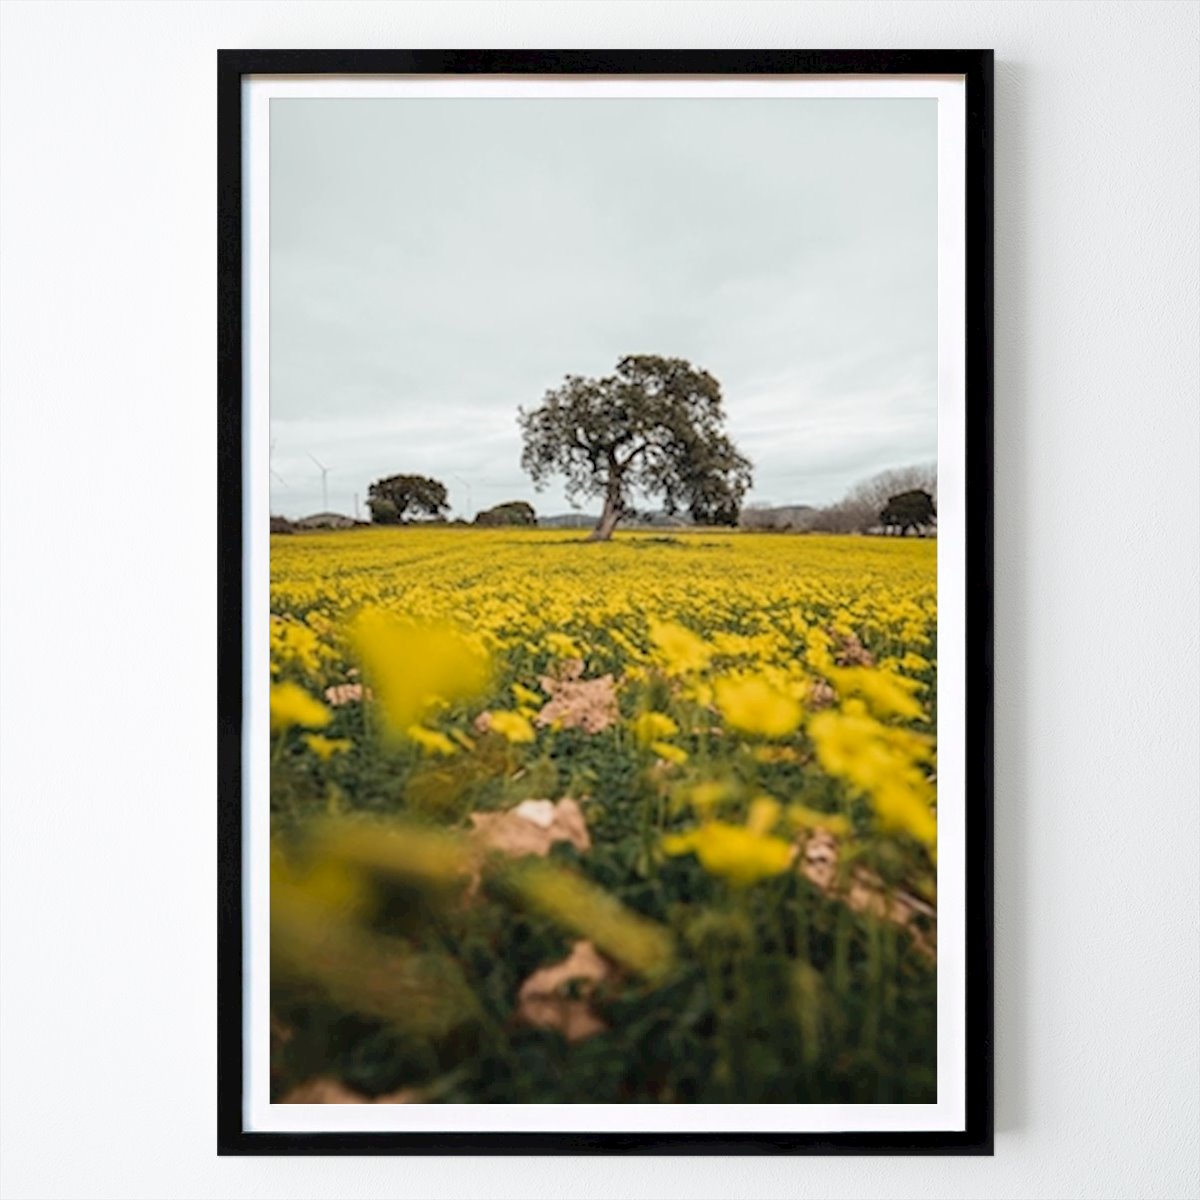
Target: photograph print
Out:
[604,730]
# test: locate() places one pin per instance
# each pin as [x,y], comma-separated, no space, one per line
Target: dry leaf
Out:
[850,652]
[819,859]
[346,693]
[544,1002]
[532,828]
[821,695]
[587,704]
[867,893]
[323,1091]
[330,1091]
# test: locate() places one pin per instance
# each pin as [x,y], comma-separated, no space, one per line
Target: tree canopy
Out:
[655,427]
[398,498]
[909,510]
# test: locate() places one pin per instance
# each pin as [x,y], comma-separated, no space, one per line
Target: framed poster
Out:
[605,646]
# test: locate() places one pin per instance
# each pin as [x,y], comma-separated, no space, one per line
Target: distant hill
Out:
[572,520]
[327,520]
[758,516]
[656,519]
[783,516]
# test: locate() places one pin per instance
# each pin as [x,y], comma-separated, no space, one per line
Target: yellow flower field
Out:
[744,726]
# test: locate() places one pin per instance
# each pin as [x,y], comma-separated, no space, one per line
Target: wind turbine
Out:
[324,482]
[274,473]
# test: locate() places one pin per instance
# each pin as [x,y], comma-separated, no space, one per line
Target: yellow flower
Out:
[752,705]
[511,725]
[319,890]
[817,646]
[292,705]
[881,762]
[679,650]
[800,816]
[527,697]
[325,748]
[414,666]
[887,694]
[295,644]
[735,853]
[432,741]
[653,726]
[462,739]
[671,753]
[763,815]
[734,645]
[561,646]
[635,941]
[775,754]
[905,804]
[708,795]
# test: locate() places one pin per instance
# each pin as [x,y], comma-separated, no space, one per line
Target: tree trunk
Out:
[608,520]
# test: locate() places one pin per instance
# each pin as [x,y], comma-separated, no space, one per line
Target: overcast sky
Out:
[436,263]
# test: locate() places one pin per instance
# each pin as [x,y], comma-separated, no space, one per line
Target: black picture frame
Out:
[976,67]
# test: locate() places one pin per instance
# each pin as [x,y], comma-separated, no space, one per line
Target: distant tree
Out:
[511,512]
[398,498]
[654,426]
[909,510]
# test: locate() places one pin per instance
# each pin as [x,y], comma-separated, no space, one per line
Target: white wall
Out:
[108,391]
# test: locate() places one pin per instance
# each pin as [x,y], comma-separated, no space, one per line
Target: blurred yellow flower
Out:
[752,705]
[511,725]
[763,815]
[735,853]
[292,705]
[882,762]
[317,890]
[413,666]
[432,741]
[625,936]
[775,754]
[888,694]
[653,726]
[671,753]
[464,740]
[708,795]
[325,748]
[678,650]
[800,816]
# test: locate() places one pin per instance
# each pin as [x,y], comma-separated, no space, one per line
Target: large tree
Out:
[655,427]
[401,497]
